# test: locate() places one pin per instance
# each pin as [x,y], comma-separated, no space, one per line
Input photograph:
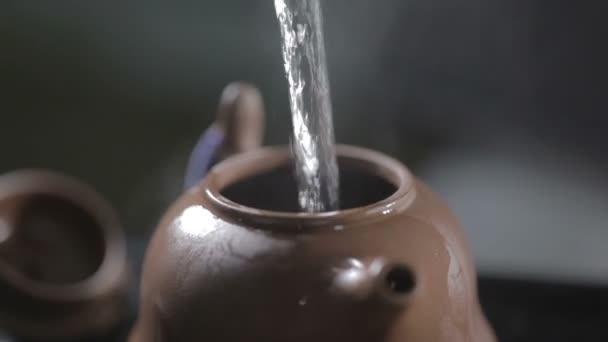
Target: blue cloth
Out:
[203,156]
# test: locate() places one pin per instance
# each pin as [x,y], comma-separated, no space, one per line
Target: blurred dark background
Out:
[500,105]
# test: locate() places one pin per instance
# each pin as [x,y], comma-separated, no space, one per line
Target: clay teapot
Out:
[235,260]
[63,266]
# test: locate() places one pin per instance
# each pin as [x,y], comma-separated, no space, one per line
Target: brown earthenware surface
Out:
[63,267]
[395,269]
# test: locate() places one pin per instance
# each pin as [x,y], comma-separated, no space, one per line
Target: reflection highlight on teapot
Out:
[195,220]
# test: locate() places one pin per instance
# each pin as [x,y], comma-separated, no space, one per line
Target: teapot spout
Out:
[375,279]
[358,278]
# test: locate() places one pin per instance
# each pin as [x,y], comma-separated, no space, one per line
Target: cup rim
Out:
[265,159]
[109,274]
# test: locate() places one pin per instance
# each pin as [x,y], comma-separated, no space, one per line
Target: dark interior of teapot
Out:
[68,241]
[277,189]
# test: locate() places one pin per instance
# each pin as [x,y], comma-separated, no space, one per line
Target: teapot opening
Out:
[276,189]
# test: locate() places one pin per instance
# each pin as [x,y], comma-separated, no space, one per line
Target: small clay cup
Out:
[234,261]
[63,266]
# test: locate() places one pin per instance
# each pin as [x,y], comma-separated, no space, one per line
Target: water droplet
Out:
[386,212]
[339,228]
[303,301]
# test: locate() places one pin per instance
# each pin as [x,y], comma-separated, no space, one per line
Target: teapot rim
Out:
[262,160]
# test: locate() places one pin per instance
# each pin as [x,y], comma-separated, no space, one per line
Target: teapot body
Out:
[396,270]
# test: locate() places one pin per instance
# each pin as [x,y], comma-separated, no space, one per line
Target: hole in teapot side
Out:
[400,280]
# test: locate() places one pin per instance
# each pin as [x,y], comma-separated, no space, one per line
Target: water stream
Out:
[313,141]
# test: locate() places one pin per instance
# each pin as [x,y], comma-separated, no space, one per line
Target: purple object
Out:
[203,156]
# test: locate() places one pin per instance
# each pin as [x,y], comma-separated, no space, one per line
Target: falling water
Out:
[313,132]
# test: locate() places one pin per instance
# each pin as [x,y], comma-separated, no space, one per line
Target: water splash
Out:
[313,132]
